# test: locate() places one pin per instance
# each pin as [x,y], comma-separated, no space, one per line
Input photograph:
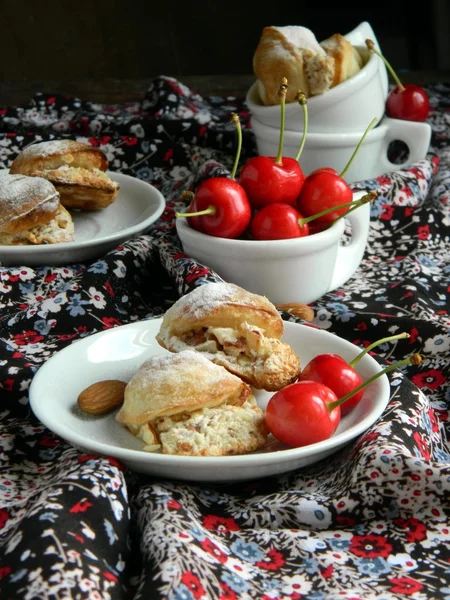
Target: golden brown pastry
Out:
[293,52]
[185,404]
[31,213]
[347,60]
[234,328]
[77,170]
[284,52]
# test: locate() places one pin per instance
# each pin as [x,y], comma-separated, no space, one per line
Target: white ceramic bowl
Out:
[348,107]
[335,149]
[293,270]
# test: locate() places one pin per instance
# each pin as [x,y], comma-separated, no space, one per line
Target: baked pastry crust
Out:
[170,384]
[347,60]
[184,404]
[82,189]
[58,230]
[45,156]
[276,57]
[310,67]
[77,170]
[31,213]
[234,328]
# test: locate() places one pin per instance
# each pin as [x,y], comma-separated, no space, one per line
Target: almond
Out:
[101,397]
[302,311]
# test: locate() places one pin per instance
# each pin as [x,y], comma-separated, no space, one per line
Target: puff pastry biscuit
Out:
[185,404]
[77,170]
[31,213]
[293,52]
[234,328]
[346,58]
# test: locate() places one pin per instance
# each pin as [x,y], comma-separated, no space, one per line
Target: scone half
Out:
[234,328]
[186,405]
[46,156]
[31,212]
[82,189]
[76,169]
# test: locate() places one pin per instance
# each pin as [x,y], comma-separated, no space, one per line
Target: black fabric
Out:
[372,521]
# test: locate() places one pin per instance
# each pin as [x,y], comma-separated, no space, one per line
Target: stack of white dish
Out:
[337,120]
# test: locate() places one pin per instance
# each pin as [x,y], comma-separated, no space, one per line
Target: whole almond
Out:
[302,311]
[101,397]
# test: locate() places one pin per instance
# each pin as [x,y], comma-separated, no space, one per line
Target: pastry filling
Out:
[59,229]
[245,344]
[216,431]
[79,175]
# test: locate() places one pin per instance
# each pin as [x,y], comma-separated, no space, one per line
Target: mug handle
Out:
[415,135]
[349,256]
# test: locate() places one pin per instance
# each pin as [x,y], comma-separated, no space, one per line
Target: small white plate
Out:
[137,205]
[118,353]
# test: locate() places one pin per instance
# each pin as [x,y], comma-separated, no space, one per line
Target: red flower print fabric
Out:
[372,521]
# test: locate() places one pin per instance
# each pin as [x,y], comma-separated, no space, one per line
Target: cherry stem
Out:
[211,210]
[392,338]
[354,205]
[282,93]
[236,121]
[371,46]
[347,166]
[302,100]
[415,359]
[370,196]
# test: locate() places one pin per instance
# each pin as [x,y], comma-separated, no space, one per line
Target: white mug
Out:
[294,270]
[335,149]
[345,108]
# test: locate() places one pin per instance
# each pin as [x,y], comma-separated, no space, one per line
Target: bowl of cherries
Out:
[275,231]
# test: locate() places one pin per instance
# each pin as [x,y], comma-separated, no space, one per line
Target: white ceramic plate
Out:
[137,205]
[117,354]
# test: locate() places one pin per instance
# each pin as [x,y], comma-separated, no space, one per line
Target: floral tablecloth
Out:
[372,521]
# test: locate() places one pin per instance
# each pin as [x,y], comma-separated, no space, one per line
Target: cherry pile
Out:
[272,198]
[309,410]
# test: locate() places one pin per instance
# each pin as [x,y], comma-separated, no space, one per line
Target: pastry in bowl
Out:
[311,67]
[31,212]
[234,328]
[77,170]
[184,404]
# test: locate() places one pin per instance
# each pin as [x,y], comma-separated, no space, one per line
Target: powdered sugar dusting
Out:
[280,51]
[78,176]
[205,298]
[302,37]
[43,149]
[19,194]
[179,368]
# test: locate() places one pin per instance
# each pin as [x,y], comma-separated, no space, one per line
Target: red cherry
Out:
[406,101]
[324,170]
[332,370]
[272,180]
[221,206]
[307,412]
[321,191]
[315,227]
[298,414]
[277,222]
[281,221]
[229,209]
[341,376]
[409,103]
[267,182]
[324,189]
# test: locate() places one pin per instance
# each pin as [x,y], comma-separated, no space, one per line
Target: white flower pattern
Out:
[371,521]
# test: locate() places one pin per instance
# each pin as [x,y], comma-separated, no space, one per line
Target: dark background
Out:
[111,42]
